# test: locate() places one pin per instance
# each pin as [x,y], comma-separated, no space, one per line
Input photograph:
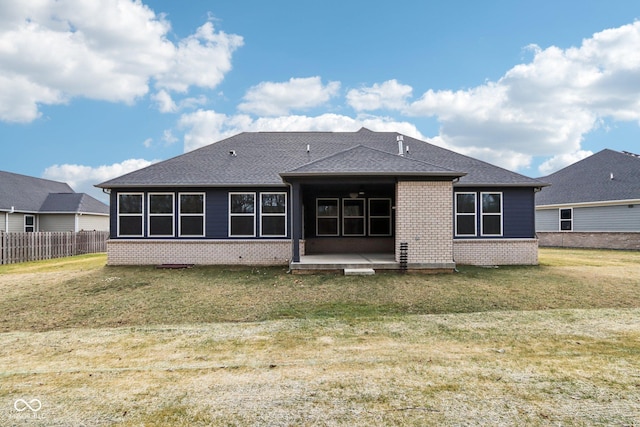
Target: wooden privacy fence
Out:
[23,247]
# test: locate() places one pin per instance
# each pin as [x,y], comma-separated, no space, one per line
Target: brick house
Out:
[593,203]
[359,198]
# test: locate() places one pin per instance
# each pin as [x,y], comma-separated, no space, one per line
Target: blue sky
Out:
[92,90]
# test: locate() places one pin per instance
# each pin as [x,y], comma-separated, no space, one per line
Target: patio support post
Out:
[296,221]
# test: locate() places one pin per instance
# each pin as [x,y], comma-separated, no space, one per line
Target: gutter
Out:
[591,204]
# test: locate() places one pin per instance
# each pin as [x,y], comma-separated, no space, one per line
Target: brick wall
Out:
[424,220]
[496,252]
[207,252]
[600,240]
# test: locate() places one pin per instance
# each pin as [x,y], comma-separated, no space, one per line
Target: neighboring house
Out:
[34,204]
[593,203]
[282,197]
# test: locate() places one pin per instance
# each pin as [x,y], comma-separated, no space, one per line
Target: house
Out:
[34,204]
[300,197]
[593,203]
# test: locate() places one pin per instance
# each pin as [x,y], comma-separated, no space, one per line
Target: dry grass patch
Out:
[100,296]
[565,367]
[557,344]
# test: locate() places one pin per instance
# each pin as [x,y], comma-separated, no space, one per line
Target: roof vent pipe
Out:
[611,176]
[400,139]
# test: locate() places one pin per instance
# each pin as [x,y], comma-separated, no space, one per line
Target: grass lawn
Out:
[557,344]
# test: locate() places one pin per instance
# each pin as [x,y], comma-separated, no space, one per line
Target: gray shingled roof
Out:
[260,157]
[73,202]
[361,160]
[590,180]
[29,194]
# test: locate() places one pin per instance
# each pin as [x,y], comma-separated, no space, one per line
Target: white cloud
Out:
[168,137]
[83,178]
[147,142]
[279,98]
[201,59]
[164,102]
[541,108]
[389,94]
[52,51]
[560,161]
[204,127]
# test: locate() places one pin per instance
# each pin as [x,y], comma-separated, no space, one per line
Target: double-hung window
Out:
[242,214]
[161,218]
[353,217]
[191,213]
[566,219]
[327,217]
[491,212]
[29,223]
[465,214]
[273,214]
[379,217]
[130,214]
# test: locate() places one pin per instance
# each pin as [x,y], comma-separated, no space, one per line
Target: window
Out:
[242,214]
[161,215]
[491,214]
[353,217]
[273,214]
[465,208]
[191,214]
[29,223]
[380,217]
[328,213]
[566,219]
[130,214]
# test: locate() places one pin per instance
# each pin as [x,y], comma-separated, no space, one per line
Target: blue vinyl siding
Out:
[518,211]
[216,209]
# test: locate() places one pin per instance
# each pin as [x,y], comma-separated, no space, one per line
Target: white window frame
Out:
[252,215]
[336,217]
[279,214]
[153,215]
[34,226]
[389,217]
[474,214]
[560,220]
[202,215]
[363,217]
[141,214]
[483,214]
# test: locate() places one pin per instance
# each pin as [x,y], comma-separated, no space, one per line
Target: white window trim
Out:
[389,217]
[560,220]
[35,226]
[363,217]
[253,215]
[172,214]
[141,215]
[336,217]
[203,214]
[262,214]
[474,214]
[482,214]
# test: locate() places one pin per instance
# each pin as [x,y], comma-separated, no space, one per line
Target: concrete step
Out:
[359,271]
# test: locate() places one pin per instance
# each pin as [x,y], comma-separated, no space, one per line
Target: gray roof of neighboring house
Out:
[258,158]
[29,194]
[73,202]
[605,176]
